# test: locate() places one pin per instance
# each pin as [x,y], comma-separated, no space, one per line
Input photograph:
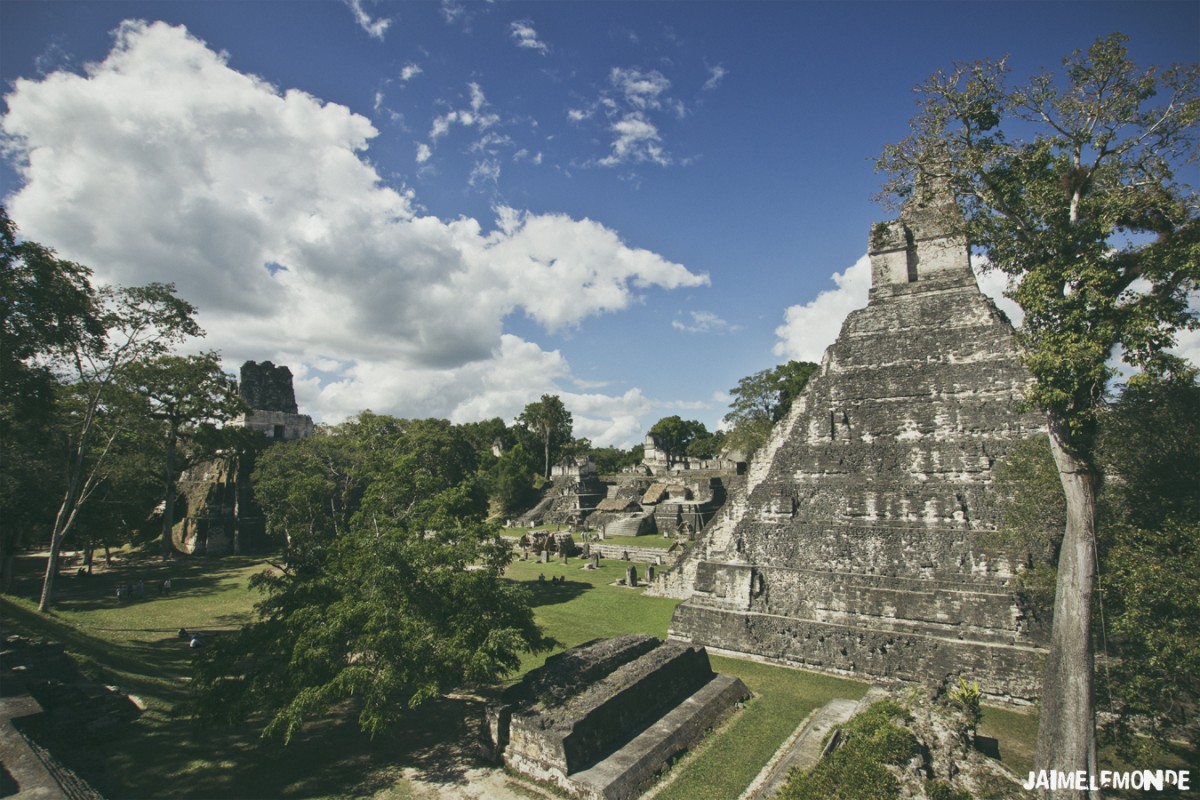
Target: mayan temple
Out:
[863,542]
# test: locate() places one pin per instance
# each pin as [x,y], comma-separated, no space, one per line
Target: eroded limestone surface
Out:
[864,540]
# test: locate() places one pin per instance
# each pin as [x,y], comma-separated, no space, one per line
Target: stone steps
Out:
[630,770]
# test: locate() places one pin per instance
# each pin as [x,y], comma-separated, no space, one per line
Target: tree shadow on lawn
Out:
[331,757]
[190,577]
[547,593]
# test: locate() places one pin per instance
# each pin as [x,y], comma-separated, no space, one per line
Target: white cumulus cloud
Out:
[704,322]
[161,163]
[635,139]
[715,76]
[810,328]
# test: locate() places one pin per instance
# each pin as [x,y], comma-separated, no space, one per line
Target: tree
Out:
[762,399]
[1149,555]
[548,420]
[139,324]
[190,396]
[46,305]
[511,480]
[308,490]
[393,591]
[1069,188]
[1149,448]
[675,433]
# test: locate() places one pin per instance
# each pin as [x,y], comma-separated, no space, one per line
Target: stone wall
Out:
[864,541]
[267,387]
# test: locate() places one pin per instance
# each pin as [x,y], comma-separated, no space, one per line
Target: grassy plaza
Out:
[134,644]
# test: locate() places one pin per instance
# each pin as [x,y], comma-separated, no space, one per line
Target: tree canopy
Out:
[392,591]
[762,399]
[1068,185]
[550,422]
[1148,537]
[189,396]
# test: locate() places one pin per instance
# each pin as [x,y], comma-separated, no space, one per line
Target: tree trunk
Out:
[62,523]
[8,548]
[168,520]
[1067,725]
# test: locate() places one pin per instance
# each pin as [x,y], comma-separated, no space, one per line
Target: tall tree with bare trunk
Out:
[1069,185]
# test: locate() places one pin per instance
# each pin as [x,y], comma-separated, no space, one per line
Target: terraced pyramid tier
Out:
[865,541]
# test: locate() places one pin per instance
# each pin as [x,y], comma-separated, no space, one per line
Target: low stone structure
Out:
[659,460]
[571,496]
[571,722]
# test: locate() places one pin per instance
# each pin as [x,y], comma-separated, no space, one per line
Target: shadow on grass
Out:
[163,755]
[190,577]
[328,758]
[546,593]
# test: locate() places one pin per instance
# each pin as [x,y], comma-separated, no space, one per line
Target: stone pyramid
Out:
[864,541]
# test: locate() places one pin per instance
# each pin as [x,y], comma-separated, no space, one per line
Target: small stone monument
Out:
[595,561]
[649,573]
[631,575]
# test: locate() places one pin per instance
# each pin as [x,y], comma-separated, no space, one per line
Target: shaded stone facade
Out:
[862,542]
[266,387]
[218,513]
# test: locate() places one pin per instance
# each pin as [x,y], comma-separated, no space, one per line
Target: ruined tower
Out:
[217,512]
[864,540]
[267,390]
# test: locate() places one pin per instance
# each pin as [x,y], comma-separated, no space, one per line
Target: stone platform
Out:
[601,719]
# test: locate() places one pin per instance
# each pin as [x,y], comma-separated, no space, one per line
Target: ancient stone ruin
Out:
[863,539]
[601,719]
[664,494]
[268,392]
[218,513]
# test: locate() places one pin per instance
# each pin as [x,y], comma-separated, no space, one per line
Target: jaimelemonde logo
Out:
[1141,780]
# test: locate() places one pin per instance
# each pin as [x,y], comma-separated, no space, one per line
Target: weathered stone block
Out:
[587,703]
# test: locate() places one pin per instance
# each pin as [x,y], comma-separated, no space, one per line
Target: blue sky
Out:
[451,208]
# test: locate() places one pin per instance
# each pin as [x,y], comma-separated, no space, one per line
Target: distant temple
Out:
[268,391]
[218,513]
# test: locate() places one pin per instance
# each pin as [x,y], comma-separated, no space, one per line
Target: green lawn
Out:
[727,762]
[652,540]
[586,605]
[134,644]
